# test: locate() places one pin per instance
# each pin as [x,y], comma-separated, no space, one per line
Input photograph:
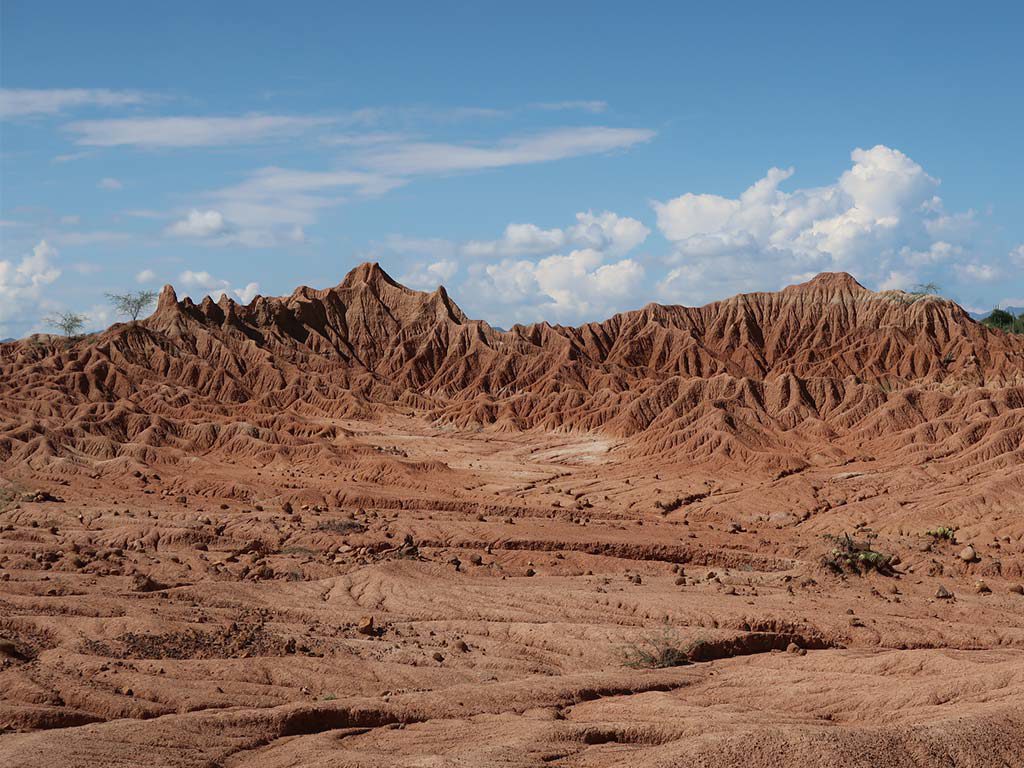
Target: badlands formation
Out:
[354,527]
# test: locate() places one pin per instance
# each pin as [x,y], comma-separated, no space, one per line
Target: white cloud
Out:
[248,293]
[592,106]
[416,158]
[23,102]
[198,224]
[22,285]
[428,276]
[109,183]
[145,276]
[519,239]
[273,206]
[177,132]
[1017,256]
[603,231]
[208,285]
[566,288]
[984,273]
[880,220]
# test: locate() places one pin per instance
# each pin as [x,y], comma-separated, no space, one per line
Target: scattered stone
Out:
[968,555]
[943,594]
[460,646]
[796,649]
[365,626]
[1017,589]
[143,583]
[438,656]
[981,588]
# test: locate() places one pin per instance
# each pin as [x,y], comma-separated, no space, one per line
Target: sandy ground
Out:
[489,598]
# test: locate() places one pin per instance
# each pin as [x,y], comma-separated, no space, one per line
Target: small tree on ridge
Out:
[70,323]
[132,304]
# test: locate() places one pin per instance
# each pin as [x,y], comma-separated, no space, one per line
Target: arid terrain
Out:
[353,527]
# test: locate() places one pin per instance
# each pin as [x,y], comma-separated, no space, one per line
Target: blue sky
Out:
[543,160]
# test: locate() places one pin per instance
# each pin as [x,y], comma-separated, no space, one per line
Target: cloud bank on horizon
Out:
[577,189]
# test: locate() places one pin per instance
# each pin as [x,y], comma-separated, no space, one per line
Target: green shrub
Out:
[850,555]
[942,532]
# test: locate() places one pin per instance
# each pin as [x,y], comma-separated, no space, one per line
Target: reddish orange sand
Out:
[355,528]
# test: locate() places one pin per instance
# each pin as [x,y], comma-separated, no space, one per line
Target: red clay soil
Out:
[353,527]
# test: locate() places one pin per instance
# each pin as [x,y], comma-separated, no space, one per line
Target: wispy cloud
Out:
[594,107]
[23,102]
[417,158]
[180,132]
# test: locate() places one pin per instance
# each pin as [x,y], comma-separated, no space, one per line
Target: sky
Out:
[558,161]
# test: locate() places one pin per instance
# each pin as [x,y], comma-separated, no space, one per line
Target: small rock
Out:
[438,656]
[981,587]
[530,572]
[968,555]
[460,646]
[475,559]
[942,593]
[365,626]
[796,649]
[1017,589]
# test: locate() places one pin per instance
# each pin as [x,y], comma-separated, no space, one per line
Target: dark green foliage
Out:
[1004,321]
[850,555]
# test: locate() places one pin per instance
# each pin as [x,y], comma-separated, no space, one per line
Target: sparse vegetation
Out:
[70,323]
[925,289]
[132,304]
[942,532]
[656,651]
[1002,320]
[850,555]
[340,526]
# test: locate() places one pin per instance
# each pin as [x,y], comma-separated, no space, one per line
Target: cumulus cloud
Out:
[202,283]
[22,285]
[22,102]
[567,288]
[881,220]
[145,276]
[428,276]
[199,224]
[603,231]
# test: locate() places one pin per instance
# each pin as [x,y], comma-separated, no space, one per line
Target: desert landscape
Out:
[355,527]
